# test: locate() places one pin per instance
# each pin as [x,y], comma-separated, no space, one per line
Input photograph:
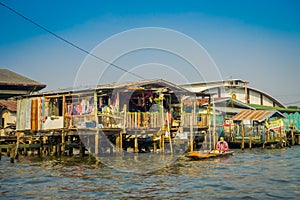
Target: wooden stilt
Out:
[121,141]
[154,147]
[243,138]
[191,134]
[97,143]
[25,153]
[12,153]
[30,149]
[162,142]
[58,149]
[250,142]
[53,150]
[81,149]
[63,142]
[293,137]
[136,148]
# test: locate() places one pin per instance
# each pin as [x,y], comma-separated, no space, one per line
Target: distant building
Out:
[8,113]
[13,84]
[236,89]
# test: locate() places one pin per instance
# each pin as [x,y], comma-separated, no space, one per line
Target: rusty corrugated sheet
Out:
[9,105]
[255,115]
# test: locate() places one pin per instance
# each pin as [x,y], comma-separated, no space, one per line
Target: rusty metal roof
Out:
[9,105]
[257,115]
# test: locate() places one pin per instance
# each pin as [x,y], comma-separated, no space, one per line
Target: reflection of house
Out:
[236,89]
[8,110]
[13,84]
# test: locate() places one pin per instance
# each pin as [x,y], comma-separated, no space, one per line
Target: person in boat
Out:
[222,146]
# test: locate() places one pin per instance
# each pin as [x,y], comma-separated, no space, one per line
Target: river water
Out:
[256,174]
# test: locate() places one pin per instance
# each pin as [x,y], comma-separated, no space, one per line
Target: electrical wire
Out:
[68,42]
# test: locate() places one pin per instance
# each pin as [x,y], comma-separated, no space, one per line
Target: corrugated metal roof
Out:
[10,105]
[256,115]
[8,77]
[142,84]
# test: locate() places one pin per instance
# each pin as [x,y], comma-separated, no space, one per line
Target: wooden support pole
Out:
[89,146]
[154,147]
[37,150]
[250,142]
[135,120]
[30,149]
[81,149]
[41,145]
[97,143]
[63,142]
[12,153]
[54,150]
[214,125]
[121,141]
[58,149]
[136,148]
[44,142]
[139,120]
[231,133]
[191,134]
[70,145]
[293,137]
[243,138]
[162,140]
[124,118]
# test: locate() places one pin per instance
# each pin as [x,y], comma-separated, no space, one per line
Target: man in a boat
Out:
[222,146]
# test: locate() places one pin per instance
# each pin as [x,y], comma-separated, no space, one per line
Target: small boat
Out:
[199,155]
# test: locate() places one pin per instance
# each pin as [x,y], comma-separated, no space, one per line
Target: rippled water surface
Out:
[256,174]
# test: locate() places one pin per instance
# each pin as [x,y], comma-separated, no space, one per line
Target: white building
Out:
[236,89]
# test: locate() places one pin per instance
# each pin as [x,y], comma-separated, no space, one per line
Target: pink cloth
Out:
[222,146]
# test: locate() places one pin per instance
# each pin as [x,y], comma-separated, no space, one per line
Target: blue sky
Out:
[258,41]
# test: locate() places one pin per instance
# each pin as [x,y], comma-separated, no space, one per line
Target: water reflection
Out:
[258,174]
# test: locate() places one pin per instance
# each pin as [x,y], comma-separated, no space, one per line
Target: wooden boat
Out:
[199,155]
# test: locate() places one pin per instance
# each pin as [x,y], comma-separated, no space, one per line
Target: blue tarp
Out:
[293,118]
